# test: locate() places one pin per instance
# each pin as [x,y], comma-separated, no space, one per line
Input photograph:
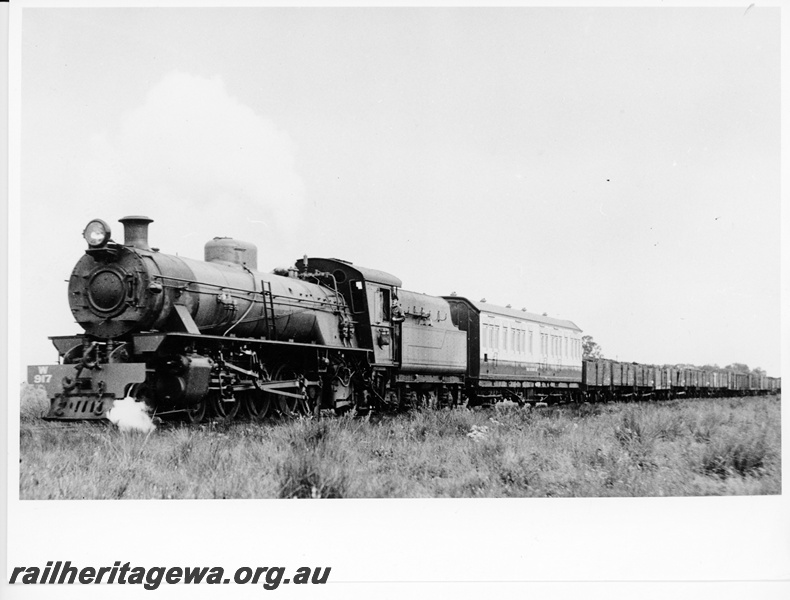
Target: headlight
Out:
[97,233]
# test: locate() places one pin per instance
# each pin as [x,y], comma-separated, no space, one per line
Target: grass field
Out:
[688,447]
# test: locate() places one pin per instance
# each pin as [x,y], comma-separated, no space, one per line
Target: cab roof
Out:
[331,264]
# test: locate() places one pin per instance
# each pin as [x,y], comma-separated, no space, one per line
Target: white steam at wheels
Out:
[129,415]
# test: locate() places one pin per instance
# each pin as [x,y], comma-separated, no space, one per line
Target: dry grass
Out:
[678,448]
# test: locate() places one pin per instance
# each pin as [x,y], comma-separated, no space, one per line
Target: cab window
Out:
[381,310]
[357,296]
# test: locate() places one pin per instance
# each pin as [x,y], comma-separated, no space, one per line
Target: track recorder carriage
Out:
[215,337]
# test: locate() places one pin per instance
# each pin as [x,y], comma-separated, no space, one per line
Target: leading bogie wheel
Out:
[197,412]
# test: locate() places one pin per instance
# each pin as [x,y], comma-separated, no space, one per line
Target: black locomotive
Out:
[196,338]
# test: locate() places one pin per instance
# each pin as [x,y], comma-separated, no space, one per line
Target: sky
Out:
[617,167]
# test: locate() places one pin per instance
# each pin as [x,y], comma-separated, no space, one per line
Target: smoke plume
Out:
[193,146]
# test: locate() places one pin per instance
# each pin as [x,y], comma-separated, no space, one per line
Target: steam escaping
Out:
[129,415]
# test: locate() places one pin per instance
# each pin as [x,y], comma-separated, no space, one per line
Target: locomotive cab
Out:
[372,296]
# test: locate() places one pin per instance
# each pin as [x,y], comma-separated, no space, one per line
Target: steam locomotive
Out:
[214,337]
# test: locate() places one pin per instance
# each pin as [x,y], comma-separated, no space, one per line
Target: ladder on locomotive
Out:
[268,310]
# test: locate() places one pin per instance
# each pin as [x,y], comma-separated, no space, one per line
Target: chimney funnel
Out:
[135,231]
